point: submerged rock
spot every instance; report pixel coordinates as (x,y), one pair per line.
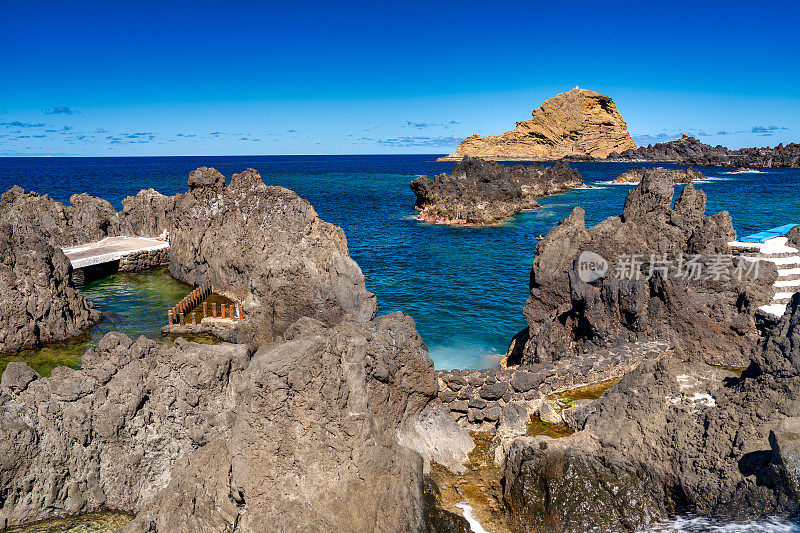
(658,271)
(635,175)
(479,192)
(577,123)
(301,435)
(671,438)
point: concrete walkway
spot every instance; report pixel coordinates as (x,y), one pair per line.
(110,249)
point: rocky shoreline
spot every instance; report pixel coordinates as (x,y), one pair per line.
(658,271)
(690,151)
(321,416)
(484,193)
(634,176)
(670,438)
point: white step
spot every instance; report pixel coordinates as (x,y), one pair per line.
(782,295)
(779,261)
(774,309)
(788,272)
(770,247)
(787,283)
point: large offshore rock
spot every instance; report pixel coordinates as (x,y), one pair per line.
(479,192)
(301,435)
(671,438)
(667,273)
(266,247)
(578,123)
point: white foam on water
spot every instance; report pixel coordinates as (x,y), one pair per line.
(618,184)
(746,172)
(474,525)
(697,524)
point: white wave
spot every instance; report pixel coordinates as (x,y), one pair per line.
(697,524)
(474,525)
(617,183)
(746,172)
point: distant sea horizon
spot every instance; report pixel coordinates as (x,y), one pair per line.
(464,287)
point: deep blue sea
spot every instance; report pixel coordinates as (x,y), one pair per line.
(465,287)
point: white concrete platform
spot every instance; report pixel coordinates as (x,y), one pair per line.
(774,309)
(777,261)
(787,283)
(772,246)
(788,267)
(110,249)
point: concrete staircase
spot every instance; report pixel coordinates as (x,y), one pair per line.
(786,258)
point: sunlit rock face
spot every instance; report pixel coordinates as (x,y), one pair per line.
(267,248)
(578,123)
(648,288)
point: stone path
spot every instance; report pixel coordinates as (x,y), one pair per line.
(477,399)
(110,249)
(786,258)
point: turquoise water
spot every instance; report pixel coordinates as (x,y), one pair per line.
(465,287)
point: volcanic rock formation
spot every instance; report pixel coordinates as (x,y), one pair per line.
(286,263)
(266,247)
(690,151)
(301,435)
(575,123)
(671,438)
(86,219)
(479,192)
(38,302)
(664,272)
(634,175)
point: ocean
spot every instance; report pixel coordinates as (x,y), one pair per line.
(464,287)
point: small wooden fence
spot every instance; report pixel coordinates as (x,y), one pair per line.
(196,298)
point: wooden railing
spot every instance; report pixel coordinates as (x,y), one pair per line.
(193,300)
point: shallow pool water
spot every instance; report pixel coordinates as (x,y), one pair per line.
(102,522)
(132,303)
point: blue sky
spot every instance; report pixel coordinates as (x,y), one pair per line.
(218,78)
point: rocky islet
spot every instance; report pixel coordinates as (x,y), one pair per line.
(634,176)
(485,193)
(577,123)
(688,150)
